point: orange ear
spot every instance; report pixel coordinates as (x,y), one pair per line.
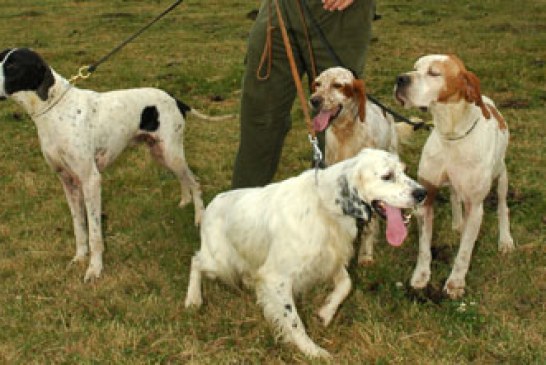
(360,93)
(472,92)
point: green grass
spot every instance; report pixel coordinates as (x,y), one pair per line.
(135,313)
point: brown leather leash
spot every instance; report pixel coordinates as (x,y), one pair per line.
(317,153)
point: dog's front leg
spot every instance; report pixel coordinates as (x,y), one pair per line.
(456,282)
(275,295)
(74,196)
(425,219)
(367,241)
(92,196)
(342,288)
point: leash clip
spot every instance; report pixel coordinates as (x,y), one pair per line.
(317,155)
(83,73)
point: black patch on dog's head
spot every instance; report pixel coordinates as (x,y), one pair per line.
(184,108)
(350,202)
(25,70)
(149,119)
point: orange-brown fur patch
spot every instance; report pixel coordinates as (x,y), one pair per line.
(498,117)
(460,83)
(357,90)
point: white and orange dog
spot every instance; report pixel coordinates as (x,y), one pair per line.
(352,123)
(81,132)
(465,150)
(284,238)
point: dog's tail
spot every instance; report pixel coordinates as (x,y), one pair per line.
(405,132)
(185,108)
(210,118)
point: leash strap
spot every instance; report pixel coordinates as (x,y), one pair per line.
(337,60)
(317,155)
(86,71)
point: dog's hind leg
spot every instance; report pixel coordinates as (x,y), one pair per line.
(275,296)
(74,196)
(506,243)
(171,155)
(425,220)
(342,288)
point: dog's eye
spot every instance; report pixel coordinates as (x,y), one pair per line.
(316,84)
(434,73)
(337,85)
(388,177)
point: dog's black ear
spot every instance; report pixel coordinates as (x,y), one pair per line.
(47,81)
(350,202)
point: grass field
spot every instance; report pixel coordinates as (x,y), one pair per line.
(135,313)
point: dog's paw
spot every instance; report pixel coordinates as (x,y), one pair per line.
(93,273)
(185,200)
(420,279)
(454,288)
(326,314)
(193,301)
(366,260)
(317,352)
(198,217)
(77,260)
(506,245)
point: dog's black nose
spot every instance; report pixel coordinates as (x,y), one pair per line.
(316,101)
(403,80)
(419,194)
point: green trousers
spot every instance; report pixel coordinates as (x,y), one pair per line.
(266,104)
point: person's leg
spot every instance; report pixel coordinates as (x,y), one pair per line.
(265,107)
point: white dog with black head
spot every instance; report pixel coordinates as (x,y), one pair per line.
(283,238)
(81,132)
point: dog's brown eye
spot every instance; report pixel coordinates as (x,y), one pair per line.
(316,84)
(433,73)
(337,85)
(388,177)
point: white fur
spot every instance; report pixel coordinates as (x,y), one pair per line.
(286,237)
(465,151)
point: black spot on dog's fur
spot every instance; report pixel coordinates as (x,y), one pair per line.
(25,70)
(149,119)
(184,108)
(350,202)
(288,307)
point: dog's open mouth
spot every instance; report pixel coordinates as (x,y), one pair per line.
(396,231)
(323,118)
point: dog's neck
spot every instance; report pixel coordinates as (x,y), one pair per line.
(454,119)
(37,107)
(343,125)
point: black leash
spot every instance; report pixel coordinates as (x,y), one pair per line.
(85,71)
(335,57)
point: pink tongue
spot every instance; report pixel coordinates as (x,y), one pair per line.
(396,229)
(320,122)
